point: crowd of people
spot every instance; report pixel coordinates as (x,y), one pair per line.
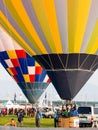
(20,115)
(13,111)
(67,110)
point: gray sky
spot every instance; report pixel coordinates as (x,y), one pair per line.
(8,88)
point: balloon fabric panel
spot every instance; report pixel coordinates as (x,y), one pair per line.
(4,55)
(23,64)
(30,62)
(15,62)
(20,53)
(13,71)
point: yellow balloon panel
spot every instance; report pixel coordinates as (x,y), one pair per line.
(12,54)
(37,25)
(78,11)
(26,77)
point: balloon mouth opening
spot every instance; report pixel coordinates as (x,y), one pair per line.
(33,90)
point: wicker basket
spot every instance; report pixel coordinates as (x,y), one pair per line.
(63,122)
(72,122)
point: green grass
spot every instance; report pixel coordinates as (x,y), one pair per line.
(28,122)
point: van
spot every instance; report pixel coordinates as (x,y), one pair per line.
(87,115)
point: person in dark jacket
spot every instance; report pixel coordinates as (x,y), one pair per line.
(20,116)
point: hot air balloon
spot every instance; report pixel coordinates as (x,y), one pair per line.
(28,74)
(62,35)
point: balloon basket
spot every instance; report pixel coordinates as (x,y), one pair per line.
(63,122)
(72,122)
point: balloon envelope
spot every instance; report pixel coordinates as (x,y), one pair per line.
(62,35)
(28,74)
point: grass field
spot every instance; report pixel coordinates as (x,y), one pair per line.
(28,122)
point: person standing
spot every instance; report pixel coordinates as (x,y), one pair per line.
(57,115)
(38,115)
(20,116)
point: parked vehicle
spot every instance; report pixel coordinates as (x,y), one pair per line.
(88,116)
(49,114)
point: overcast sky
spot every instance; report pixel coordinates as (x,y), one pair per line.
(8,88)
